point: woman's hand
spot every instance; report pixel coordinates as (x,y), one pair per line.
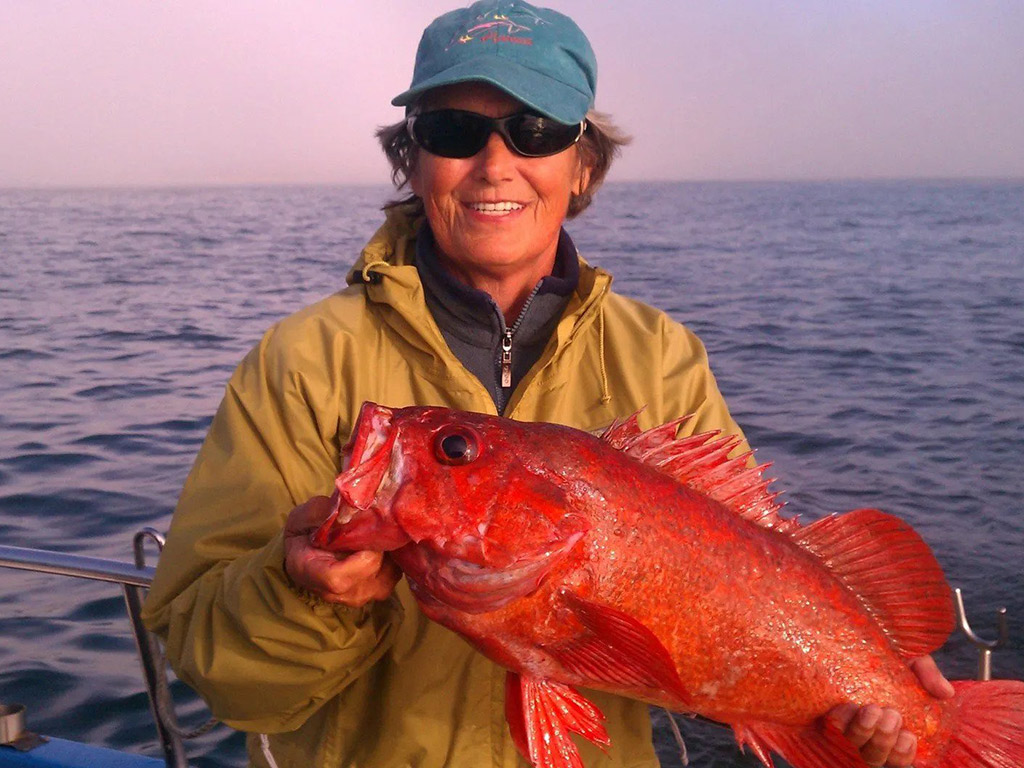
(876,731)
(347,578)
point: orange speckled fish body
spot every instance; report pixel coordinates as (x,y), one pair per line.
(658,569)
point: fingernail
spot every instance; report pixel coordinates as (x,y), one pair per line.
(844,711)
(889,722)
(905,743)
(868,717)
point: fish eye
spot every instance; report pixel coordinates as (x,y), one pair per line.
(456,445)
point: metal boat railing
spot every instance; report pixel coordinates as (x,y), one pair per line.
(134,579)
(985,647)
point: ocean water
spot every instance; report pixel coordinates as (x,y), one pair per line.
(869,338)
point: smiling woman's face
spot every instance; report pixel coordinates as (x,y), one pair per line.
(495,216)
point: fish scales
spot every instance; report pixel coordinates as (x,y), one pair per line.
(659,569)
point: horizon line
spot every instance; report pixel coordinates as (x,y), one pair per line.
(204,185)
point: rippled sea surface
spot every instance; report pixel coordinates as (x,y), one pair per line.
(868,336)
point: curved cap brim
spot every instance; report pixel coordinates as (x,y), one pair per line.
(544,94)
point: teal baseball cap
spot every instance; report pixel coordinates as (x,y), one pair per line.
(535,55)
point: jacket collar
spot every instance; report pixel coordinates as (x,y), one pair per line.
(386,268)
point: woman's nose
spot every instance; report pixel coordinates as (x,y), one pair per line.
(496,161)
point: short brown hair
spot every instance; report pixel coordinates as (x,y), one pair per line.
(600,144)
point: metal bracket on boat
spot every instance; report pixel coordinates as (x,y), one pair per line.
(12,729)
(154,666)
(139,544)
(152,659)
(985,647)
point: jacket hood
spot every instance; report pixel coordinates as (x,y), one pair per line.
(393,243)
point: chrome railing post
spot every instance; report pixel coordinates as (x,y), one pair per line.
(151,659)
(985,647)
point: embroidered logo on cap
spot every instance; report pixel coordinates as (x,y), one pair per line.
(493,27)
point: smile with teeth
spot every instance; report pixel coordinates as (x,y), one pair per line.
(496,209)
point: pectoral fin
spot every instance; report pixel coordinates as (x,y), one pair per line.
(541,715)
(618,650)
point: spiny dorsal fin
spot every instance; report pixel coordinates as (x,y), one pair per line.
(702,462)
(877,556)
(621,430)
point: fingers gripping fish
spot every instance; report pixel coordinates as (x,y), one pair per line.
(660,569)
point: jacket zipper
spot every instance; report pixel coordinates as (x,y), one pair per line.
(506,359)
(506,340)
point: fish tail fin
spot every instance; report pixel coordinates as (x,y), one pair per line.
(987,727)
(983,728)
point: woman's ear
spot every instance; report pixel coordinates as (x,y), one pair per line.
(581,182)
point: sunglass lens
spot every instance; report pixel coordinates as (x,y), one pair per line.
(536,136)
(451,133)
(459,134)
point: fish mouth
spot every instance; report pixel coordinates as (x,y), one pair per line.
(367,458)
(475,588)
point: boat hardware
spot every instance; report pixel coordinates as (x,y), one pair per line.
(151,654)
(134,580)
(12,729)
(985,647)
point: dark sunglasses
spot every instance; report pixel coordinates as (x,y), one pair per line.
(458,134)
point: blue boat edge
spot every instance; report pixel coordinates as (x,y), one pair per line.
(61,753)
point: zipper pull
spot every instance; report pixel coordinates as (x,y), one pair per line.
(506,359)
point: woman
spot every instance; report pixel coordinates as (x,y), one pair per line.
(471,296)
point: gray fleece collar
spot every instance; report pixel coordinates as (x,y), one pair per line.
(474,317)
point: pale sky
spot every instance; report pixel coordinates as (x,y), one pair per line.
(183,92)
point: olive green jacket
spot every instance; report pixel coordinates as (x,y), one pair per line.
(381,686)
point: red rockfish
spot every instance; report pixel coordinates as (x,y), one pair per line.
(660,569)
